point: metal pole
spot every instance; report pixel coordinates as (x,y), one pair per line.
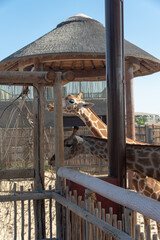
(115,89)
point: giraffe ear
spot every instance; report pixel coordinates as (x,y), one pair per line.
(79,95)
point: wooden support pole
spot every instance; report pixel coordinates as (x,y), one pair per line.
(130,100)
(115,89)
(39,157)
(59,147)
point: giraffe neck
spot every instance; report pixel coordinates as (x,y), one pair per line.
(93,122)
(96,125)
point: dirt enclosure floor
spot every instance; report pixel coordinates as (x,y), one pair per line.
(7,211)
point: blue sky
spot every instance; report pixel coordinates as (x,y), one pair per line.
(22,22)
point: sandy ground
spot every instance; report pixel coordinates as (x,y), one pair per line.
(7,211)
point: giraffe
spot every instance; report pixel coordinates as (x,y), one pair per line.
(77,106)
(144,159)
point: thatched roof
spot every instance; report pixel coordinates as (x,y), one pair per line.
(77,38)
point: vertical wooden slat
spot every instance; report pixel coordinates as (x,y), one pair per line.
(29,218)
(76,217)
(148,232)
(83,224)
(73,220)
(87,224)
(22,216)
(79,220)
(15,215)
(99,215)
(70,224)
(103,218)
(93,226)
(119,225)
(96,236)
(137,232)
(141,236)
(50,213)
(154,237)
(67,217)
(115,220)
(108,220)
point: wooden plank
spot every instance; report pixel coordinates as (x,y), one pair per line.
(17,173)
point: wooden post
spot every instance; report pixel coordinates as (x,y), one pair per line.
(130,109)
(39,157)
(130,100)
(59,148)
(115,89)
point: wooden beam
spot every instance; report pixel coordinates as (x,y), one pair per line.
(17,173)
(22,78)
(48,78)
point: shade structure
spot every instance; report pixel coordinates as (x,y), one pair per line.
(77,44)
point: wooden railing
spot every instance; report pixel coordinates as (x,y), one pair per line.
(83,217)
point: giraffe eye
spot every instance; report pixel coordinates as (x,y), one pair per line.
(71,101)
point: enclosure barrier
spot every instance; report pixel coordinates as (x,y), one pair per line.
(105,227)
(82,219)
(139,203)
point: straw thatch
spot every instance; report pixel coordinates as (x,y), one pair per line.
(81,40)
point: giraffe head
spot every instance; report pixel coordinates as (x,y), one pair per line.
(72,104)
(73,146)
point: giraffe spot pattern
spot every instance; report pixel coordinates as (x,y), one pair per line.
(149,172)
(144,161)
(155,157)
(139,168)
